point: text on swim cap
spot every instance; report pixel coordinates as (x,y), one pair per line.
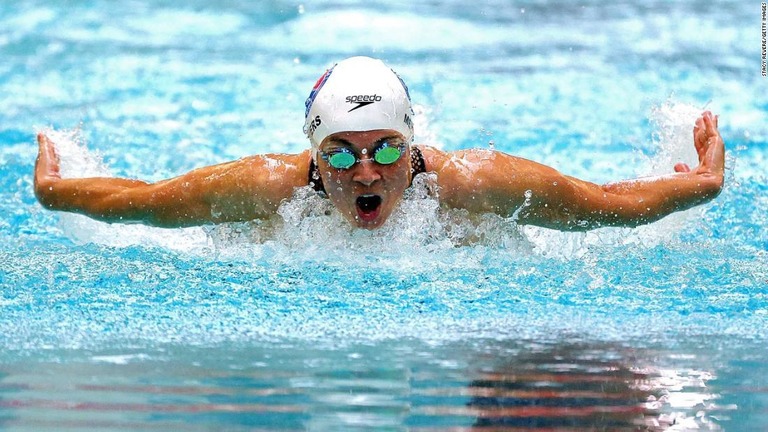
(313,124)
(408,122)
(362,100)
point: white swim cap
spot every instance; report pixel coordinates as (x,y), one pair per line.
(357,94)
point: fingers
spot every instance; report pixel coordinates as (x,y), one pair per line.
(711,134)
(709,144)
(708,122)
(44,144)
(682,167)
(47,164)
(704,131)
(699,134)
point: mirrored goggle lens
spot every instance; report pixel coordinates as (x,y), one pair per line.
(387,155)
(341,160)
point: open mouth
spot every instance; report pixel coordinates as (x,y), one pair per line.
(368,206)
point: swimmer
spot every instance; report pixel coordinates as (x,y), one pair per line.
(358,120)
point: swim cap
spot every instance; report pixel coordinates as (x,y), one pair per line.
(357,94)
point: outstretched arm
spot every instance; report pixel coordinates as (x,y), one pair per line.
(687,187)
(246,189)
(484,181)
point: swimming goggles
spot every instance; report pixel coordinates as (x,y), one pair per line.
(385,154)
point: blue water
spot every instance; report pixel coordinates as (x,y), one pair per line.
(434,322)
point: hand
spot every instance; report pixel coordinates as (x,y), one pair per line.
(46,167)
(709,146)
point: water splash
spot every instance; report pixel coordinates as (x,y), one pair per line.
(673,137)
(76,160)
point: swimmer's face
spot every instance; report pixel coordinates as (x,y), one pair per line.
(367,192)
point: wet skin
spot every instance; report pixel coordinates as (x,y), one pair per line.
(366,193)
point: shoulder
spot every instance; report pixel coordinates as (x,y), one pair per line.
(288,161)
(468,163)
(249,187)
(273,175)
(479,163)
(485,179)
(434,158)
(289,168)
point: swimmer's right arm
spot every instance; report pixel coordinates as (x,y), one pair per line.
(246,189)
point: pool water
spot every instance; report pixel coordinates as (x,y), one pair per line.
(436,321)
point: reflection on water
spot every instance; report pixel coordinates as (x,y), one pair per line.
(497,385)
(574,386)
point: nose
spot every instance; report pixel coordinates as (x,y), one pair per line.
(366,173)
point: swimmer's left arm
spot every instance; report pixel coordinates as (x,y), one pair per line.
(641,201)
(582,205)
(486,181)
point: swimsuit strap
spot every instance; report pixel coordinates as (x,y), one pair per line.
(314,178)
(418,166)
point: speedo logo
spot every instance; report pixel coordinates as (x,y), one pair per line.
(362,100)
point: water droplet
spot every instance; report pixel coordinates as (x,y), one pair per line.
(301,9)
(364,151)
